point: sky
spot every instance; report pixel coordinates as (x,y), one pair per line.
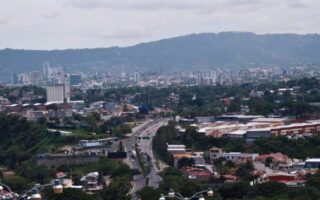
(62,24)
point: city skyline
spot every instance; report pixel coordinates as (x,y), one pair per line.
(66,24)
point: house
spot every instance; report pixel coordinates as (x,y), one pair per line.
(293,180)
(196,156)
(277,160)
(176,148)
(92,143)
(91,182)
(197,173)
(216,153)
(312,163)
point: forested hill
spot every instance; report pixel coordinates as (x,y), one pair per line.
(191,52)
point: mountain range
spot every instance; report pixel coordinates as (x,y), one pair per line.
(184,53)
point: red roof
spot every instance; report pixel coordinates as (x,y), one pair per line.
(275,156)
(197,172)
(60,175)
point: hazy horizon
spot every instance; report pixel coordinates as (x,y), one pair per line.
(155,40)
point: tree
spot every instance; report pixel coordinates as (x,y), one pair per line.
(149,193)
(118,189)
(313,180)
(268,161)
(17,183)
(244,171)
(269,189)
(236,190)
(121,148)
(92,124)
(185,162)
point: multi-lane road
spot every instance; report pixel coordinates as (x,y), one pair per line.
(146,148)
(146,132)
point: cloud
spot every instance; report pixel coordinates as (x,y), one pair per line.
(91,23)
(160,4)
(125,33)
(52,15)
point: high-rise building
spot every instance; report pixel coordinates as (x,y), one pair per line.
(66,82)
(137,77)
(55,93)
(59,92)
(46,69)
(206,77)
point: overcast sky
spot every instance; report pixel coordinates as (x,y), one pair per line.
(60,24)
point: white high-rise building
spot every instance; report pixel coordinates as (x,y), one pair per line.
(137,77)
(55,93)
(66,83)
(59,92)
(207,77)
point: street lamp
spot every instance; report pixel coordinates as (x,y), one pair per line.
(198,195)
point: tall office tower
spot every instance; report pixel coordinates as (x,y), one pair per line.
(207,77)
(59,92)
(46,70)
(137,77)
(59,70)
(123,76)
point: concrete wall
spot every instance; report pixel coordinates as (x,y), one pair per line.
(58,160)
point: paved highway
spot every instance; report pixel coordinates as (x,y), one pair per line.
(146,148)
(147,129)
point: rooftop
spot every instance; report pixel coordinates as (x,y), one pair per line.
(313,160)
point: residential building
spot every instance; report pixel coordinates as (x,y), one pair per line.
(206,77)
(312,163)
(91,182)
(196,156)
(216,153)
(174,149)
(197,173)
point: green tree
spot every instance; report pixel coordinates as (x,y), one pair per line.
(244,171)
(68,194)
(118,189)
(185,162)
(149,193)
